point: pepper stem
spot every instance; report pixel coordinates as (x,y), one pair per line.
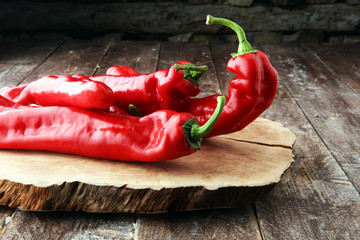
(133,108)
(192,72)
(244,45)
(194,133)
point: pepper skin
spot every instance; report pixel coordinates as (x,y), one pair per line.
(164,89)
(121,71)
(249,94)
(162,135)
(62,90)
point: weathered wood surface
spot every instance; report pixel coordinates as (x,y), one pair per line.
(317,99)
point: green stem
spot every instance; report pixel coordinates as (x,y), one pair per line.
(133,108)
(191,67)
(244,45)
(194,133)
(192,72)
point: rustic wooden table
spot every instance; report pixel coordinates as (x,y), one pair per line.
(318,99)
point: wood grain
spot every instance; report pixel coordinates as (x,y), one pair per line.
(238,223)
(69,225)
(315,196)
(342,59)
(5,215)
(142,56)
(221,54)
(17,61)
(224,173)
(73,57)
(300,204)
(329,104)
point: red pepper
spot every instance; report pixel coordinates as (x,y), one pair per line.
(164,89)
(121,71)
(162,135)
(250,93)
(62,90)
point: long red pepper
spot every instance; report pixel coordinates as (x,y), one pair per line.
(162,135)
(62,90)
(164,89)
(250,93)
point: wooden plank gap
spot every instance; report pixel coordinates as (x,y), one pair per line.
(216,71)
(332,71)
(6,221)
(258,220)
(45,58)
(106,51)
(159,54)
(136,228)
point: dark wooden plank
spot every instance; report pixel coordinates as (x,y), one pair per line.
(73,57)
(315,196)
(19,59)
(68,225)
(238,223)
(26,51)
(343,59)
(5,215)
(329,104)
(196,53)
(141,56)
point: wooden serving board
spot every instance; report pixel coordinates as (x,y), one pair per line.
(229,171)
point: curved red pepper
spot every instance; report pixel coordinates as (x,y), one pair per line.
(62,90)
(250,93)
(164,89)
(162,135)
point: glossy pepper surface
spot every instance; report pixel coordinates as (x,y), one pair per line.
(62,90)
(164,89)
(250,93)
(162,135)
(121,71)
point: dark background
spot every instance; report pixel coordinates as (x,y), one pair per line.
(182,21)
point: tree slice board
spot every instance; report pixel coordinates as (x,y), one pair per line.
(229,171)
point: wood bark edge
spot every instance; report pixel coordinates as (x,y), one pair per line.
(76,196)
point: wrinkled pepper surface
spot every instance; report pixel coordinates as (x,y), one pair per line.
(250,93)
(159,136)
(164,89)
